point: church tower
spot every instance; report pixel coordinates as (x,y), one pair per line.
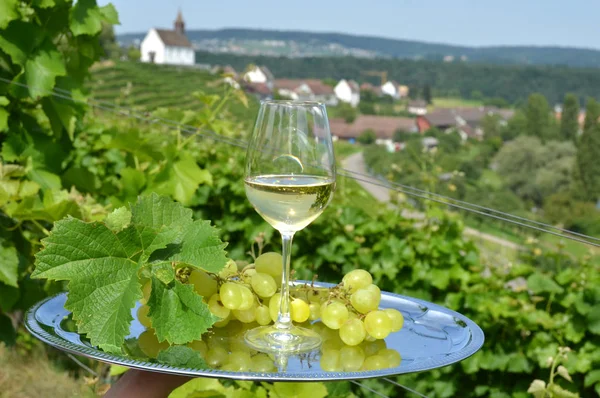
(179,24)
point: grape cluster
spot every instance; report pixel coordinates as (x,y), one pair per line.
(250,295)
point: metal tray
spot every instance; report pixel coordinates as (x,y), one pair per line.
(432,337)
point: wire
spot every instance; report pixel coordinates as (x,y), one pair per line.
(406,388)
(394,186)
(369,389)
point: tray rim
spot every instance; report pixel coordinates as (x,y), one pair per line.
(477,341)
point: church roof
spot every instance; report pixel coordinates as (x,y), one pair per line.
(173,39)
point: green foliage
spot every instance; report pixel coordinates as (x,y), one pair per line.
(587,161)
(592,113)
(347,112)
(427,94)
(569,120)
(367,137)
(533,170)
(540,121)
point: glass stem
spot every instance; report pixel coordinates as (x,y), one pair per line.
(284,320)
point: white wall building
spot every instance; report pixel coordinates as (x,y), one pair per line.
(259,74)
(390,88)
(348,91)
(162,46)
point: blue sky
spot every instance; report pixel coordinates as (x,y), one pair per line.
(471,22)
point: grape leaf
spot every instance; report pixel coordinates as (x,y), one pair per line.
(182,356)
(200,248)
(9,262)
(8,334)
(592,378)
(101,262)
(178,313)
(103,279)
(40,71)
(8,12)
(3,119)
(85,18)
(110,14)
(300,390)
(539,283)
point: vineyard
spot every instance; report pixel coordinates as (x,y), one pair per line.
(129,184)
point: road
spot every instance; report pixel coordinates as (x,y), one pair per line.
(355,163)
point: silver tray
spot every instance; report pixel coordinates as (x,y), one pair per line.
(432,337)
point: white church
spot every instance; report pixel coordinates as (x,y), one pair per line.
(161,46)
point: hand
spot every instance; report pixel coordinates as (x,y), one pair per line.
(141,384)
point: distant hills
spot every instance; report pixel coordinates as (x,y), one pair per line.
(310,44)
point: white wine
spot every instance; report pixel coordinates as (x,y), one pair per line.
(289,202)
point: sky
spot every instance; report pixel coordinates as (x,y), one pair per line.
(573,23)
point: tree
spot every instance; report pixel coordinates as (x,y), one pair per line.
(133,53)
(515,127)
(592,113)
(367,137)
(587,160)
(569,119)
(367,108)
(539,123)
(491,126)
(347,112)
(107,41)
(404,136)
(427,94)
(330,82)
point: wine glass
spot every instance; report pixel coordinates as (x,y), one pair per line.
(289,179)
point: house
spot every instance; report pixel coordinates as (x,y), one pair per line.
(467,121)
(384,127)
(306,90)
(259,90)
(390,88)
(369,87)
(348,91)
(403,91)
(259,74)
(417,107)
(161,46)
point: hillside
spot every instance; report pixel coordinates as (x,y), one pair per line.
(514,83)
(149,87)
(298,43)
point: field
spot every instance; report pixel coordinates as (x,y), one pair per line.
(148,87)
(443,102)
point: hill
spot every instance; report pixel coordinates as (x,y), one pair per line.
(299,44)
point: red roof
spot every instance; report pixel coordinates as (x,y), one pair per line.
(384,126)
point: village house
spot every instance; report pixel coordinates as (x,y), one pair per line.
(259,74)
(161,46)
(390,88)
(348,91)
(417,107)
(384,127)
(466,121)
(306,90)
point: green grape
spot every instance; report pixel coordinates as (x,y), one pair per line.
(378,324)
(146,289)
(357,279)
(230,269)
(364,301)
(351,358)
(375,362)
(200,346)
(334,315)
(392,357)
(231,295)
(248,300)
(352,315)
(223,322)
(241,360)
(245,316)
(248,274)
(262,363)
(204,284)
(142,315)
(236,344)
(262,315)
(217,308)
(270,263)
(299,310)
(330,360)
(353,332)
(264,285)
(315,311)
(373,347)
(396,317)
(274,304)
(373,288)
(216,356)
(149,344)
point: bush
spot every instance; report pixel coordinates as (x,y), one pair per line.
(367,137)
